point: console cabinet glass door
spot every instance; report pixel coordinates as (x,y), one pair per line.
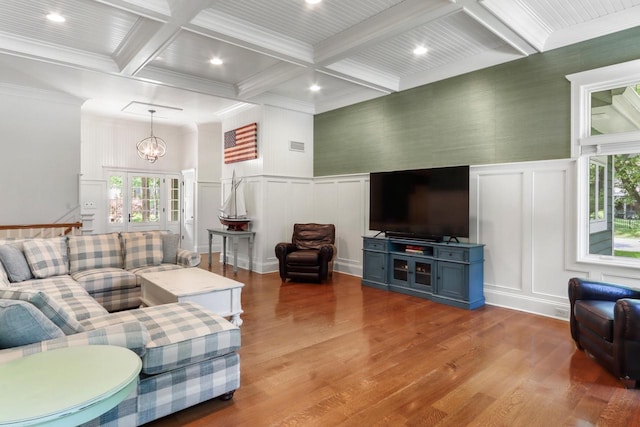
(423,275)
(412,273)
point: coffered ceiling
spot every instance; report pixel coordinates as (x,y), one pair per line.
(114,52)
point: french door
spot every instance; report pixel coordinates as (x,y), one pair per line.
(140,201)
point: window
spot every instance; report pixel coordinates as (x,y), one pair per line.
(174,199)
(597,193)
(115,199)
(143,201)
(606,145)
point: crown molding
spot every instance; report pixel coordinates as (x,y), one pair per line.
(363,75)
(39,94)
(28,48)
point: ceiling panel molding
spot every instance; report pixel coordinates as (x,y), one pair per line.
(474,63)
(235,31)
(178,80)
(363,75)
(518,16)
(265,80)
(619,21)
(35,49)
(403,17)
(483,16)
(274,50)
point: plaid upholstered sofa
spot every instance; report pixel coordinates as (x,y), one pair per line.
(85,295)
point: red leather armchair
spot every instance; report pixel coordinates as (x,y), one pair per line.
(605,322)
(310,255)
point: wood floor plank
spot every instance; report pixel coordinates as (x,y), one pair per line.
(339,354)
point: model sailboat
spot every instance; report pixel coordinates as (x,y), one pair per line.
(233,212)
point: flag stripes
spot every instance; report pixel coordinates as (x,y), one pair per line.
(241,144)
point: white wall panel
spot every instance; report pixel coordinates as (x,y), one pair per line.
(500,217)
(39,155)
(279,128)
(350,222)
(207,215)
(548,233)
(111,142)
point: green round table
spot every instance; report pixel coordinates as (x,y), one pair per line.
(66,386)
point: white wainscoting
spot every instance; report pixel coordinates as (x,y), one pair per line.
(520,212)
(209,196)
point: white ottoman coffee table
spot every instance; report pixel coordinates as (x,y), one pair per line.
(212,291)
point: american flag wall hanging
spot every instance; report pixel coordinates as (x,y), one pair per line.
(241,144)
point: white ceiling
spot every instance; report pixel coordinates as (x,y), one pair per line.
(115,52)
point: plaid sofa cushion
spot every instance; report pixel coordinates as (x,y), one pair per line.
(132,335)
(94,251)
(142,250)
(48,306)
(118,299)
(45,257)
(187,258)
(153,269)
(181,334)
(72,297)
(104,279)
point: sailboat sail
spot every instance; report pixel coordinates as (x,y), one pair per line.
(234,206)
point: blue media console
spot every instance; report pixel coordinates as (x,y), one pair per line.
(448,273)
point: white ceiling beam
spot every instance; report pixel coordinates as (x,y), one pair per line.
(482,15)
(516,16)
(27,48)
(393,21)
(240,33)
(362,75)
(147,39)
(267,79)
(183,81)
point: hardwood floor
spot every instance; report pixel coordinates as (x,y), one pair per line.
(342,354)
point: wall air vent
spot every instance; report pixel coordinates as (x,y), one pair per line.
(296,146)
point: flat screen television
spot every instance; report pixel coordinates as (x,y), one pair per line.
(422,203)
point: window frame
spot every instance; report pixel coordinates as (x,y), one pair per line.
(584,145)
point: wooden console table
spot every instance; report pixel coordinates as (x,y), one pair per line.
(235,237)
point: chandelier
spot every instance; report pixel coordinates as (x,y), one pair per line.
(152,147)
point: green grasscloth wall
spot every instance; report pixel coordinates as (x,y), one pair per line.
(518,111)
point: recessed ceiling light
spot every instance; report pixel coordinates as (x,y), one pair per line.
(420,50)
(216,61)
(314,88)
(55,17)
(312,1)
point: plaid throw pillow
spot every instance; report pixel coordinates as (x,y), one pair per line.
(94,251)
(49,307)
(142,250)
(44,258)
